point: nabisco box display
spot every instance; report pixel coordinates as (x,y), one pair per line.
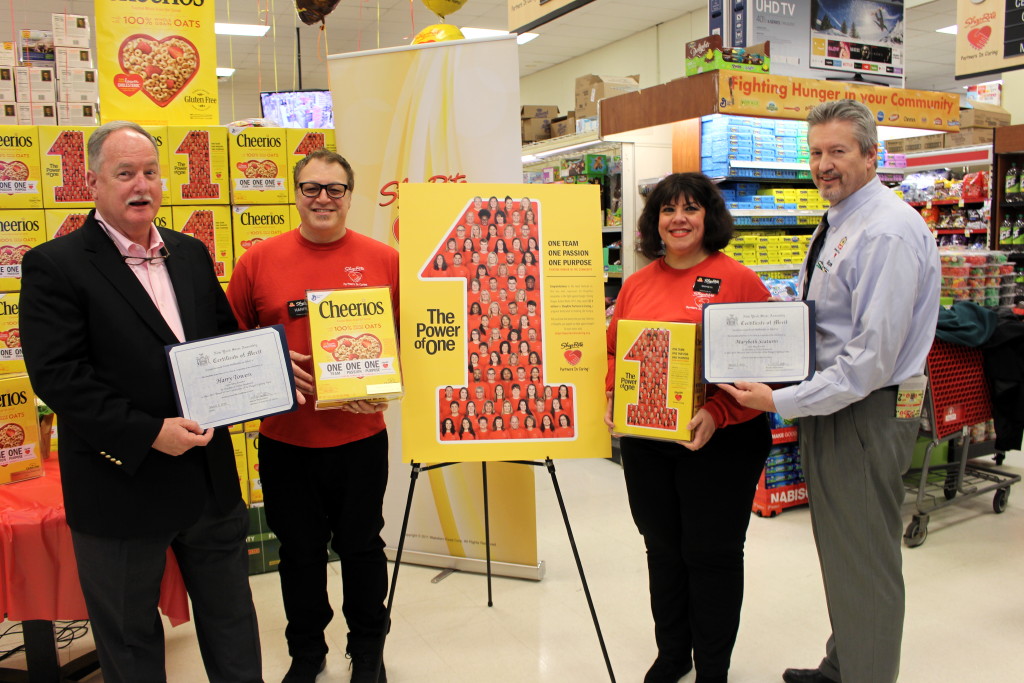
(253,224)
(211,225)
(159,134)
(20,175)
(198,158)
(19,431)
(300,142)
(657,378)
(11,357)
(355,349)
(63,161)
(252,459)
(259,161)
(20,230)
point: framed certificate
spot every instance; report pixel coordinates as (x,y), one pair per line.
(769,341)
(234,377)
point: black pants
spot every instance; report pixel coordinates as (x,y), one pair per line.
(692,509)
(318,495)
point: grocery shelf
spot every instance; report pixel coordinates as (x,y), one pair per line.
(777,212)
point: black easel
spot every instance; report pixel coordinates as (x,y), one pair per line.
(550,465)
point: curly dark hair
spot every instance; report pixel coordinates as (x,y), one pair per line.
(695,187)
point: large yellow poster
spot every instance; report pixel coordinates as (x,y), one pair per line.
(502,325)
(158,64)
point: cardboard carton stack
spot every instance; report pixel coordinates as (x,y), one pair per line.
(591,89)
(536,121)
(977,125)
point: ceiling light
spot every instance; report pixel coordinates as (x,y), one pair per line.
(258,30)
(224,72)
(951,30)
(471,32)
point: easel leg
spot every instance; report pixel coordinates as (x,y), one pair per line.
(487,535)
(579,565)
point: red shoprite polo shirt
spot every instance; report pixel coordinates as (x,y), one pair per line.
(281,269)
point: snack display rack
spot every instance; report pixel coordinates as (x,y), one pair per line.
(957,399)
(781,485)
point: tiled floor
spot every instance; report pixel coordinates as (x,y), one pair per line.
(965,602)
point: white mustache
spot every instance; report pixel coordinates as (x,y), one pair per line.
(140,198)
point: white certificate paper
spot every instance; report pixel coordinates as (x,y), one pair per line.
(770,341)
(233,378)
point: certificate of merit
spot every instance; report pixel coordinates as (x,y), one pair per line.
(767,341)
(233,378)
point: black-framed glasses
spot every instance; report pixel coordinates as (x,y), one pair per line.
(139,260)
(312,190)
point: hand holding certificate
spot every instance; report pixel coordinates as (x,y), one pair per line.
(233,378)
(766,342)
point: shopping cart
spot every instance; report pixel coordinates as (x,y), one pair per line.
(957,399)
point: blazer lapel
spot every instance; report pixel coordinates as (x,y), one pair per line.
(183,282)
(108,262)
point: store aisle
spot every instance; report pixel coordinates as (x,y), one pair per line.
(965,615)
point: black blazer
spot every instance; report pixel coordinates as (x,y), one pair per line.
(94,347)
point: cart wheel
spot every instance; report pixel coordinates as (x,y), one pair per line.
(949,488)
(999,500)
(915,534)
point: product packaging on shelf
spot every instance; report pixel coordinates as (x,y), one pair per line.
(259,165)
(11,357)
(21,230)
(198,160)
(159,134)
(37,113)
(253,224)
(20,174)
(77,85)
(211,225)
(591,89)
(77,114)
(7,90)
(63,160)
(20,454)
(300,142)
(709,54)
(70,30)
(241,462)
(35,84)
(657,378)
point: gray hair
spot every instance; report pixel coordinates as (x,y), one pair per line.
(864,128)
(100,135)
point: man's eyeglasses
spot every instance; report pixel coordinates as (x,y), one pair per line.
(139,260)
(312,190)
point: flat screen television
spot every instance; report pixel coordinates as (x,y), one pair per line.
(298,108)
(858,36)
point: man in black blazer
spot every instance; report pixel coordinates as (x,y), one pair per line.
(97,308)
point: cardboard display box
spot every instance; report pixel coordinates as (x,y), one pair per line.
(259,165)
(563,125)
(253,224)
(538,111)
(923,143)
(35,84)
(78,114)
(12,358)
(534,130)
(20,230)
(300,142)
(198,157)
(20,456)
(211,225)
(657,378)
(7,89)
(970,136)
(591,89)
(63,162)
(159,134)
(77,85)
(20,174)
(37,113)
(708,54)
(70,30)
(984,115)
(355,348)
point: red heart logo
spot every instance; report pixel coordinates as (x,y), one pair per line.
(573,356)
(163,66)
(242,166)
(246,244)
(979,37)
(128,84)
(679,397)
(329,345)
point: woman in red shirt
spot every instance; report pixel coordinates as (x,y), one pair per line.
(530,427)
(564,428)
(448,430)
(466,432)
(695,559)
(498,429)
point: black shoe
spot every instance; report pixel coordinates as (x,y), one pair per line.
(668,670)
(304,669)
(805,676)
(364,666)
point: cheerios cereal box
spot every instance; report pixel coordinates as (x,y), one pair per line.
(159,134)
(252,460)
(241,463)
(300,142)
(198,161)
(11,357)
(355,349)
(19,430)
(62,156)
(259,165)
(19,232)
(211,225)
(657,378)
(60,222)
(20,175)
(253,224)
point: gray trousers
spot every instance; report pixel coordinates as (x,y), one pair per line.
(853,462)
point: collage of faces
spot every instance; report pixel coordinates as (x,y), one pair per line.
(651,349)
(494,246)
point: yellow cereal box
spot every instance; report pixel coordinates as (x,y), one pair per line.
(259,165)
(241,463)
(62,156)
(19,430)
(11,357)
(355,350)
(164,218)
(60,222)
(252,457)
(198,161)
(302,141)
(211,225)
(19,232)
(20,175)
(657,378)
(253,224)
(159,134)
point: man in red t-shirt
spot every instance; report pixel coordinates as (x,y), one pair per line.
(323,472)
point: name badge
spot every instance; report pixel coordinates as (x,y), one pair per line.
(707,285)
(298,308)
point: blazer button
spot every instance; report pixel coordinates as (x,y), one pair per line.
(118,462)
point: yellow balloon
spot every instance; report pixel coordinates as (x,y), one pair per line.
(437,33)
(443,8)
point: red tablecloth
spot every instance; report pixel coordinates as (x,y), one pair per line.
(38,574)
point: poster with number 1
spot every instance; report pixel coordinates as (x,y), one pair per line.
(502,323)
